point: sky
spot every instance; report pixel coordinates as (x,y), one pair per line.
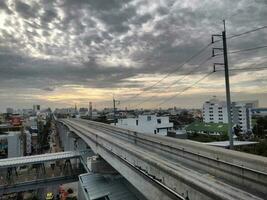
(59,53)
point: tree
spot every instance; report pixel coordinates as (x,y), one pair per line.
(260,129)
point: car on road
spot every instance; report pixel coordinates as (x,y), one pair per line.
(49,196)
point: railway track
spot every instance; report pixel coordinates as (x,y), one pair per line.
(172,154)
(235,174)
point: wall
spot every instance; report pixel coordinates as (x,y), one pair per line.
(14,145)
(146,124)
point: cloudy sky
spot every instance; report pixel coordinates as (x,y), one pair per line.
(61,52)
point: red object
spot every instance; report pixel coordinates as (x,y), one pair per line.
(15,120)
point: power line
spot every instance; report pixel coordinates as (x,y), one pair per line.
(252,67)
(249,49)
(175,70)
(244,50)
(243,33)
(198,53)
(175,82)
(247,32)
(185,89)
(192,57)
(248,69)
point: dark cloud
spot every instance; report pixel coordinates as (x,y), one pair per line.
(48,45)
(25,10)
(106,5)
(49,89)
(3,6)
(48,16)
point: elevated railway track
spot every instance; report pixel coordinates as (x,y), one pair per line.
(187,170)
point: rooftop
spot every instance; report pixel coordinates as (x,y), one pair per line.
(96,186)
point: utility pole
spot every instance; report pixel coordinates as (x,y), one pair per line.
(227,84)
(90,110)
(114,109)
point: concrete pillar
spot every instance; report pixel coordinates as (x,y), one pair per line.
(81,145)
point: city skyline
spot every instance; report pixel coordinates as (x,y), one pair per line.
(58,53)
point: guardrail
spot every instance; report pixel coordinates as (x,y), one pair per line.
(243,175)
(173,153)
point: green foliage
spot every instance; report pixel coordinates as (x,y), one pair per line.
(207,127)
(35,198)
(102,119)
(43,134)
(182,119)
(259,149)
(260,128)
(207,138)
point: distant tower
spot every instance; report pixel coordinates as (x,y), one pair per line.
(90,110)
(75,108)
(36,108)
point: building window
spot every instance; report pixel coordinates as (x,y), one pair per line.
(136,122)
(155,132)
(148,118)
(159,121)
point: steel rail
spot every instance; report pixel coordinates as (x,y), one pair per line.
(134,167)
(180,149)
(207,190)
(216,163)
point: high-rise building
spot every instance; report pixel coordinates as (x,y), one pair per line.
(215,111)
(11,144)
(9,110)
(90,109)
(36,108)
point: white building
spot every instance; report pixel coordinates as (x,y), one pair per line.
(215,111)
(83,112)
(66,111)
(36,108)
(28,142)
(259,111)
(146,124)
(13,142)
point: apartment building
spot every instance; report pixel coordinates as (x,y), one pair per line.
(146,124)
(215,111)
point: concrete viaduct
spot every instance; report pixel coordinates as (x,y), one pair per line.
(166,168)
